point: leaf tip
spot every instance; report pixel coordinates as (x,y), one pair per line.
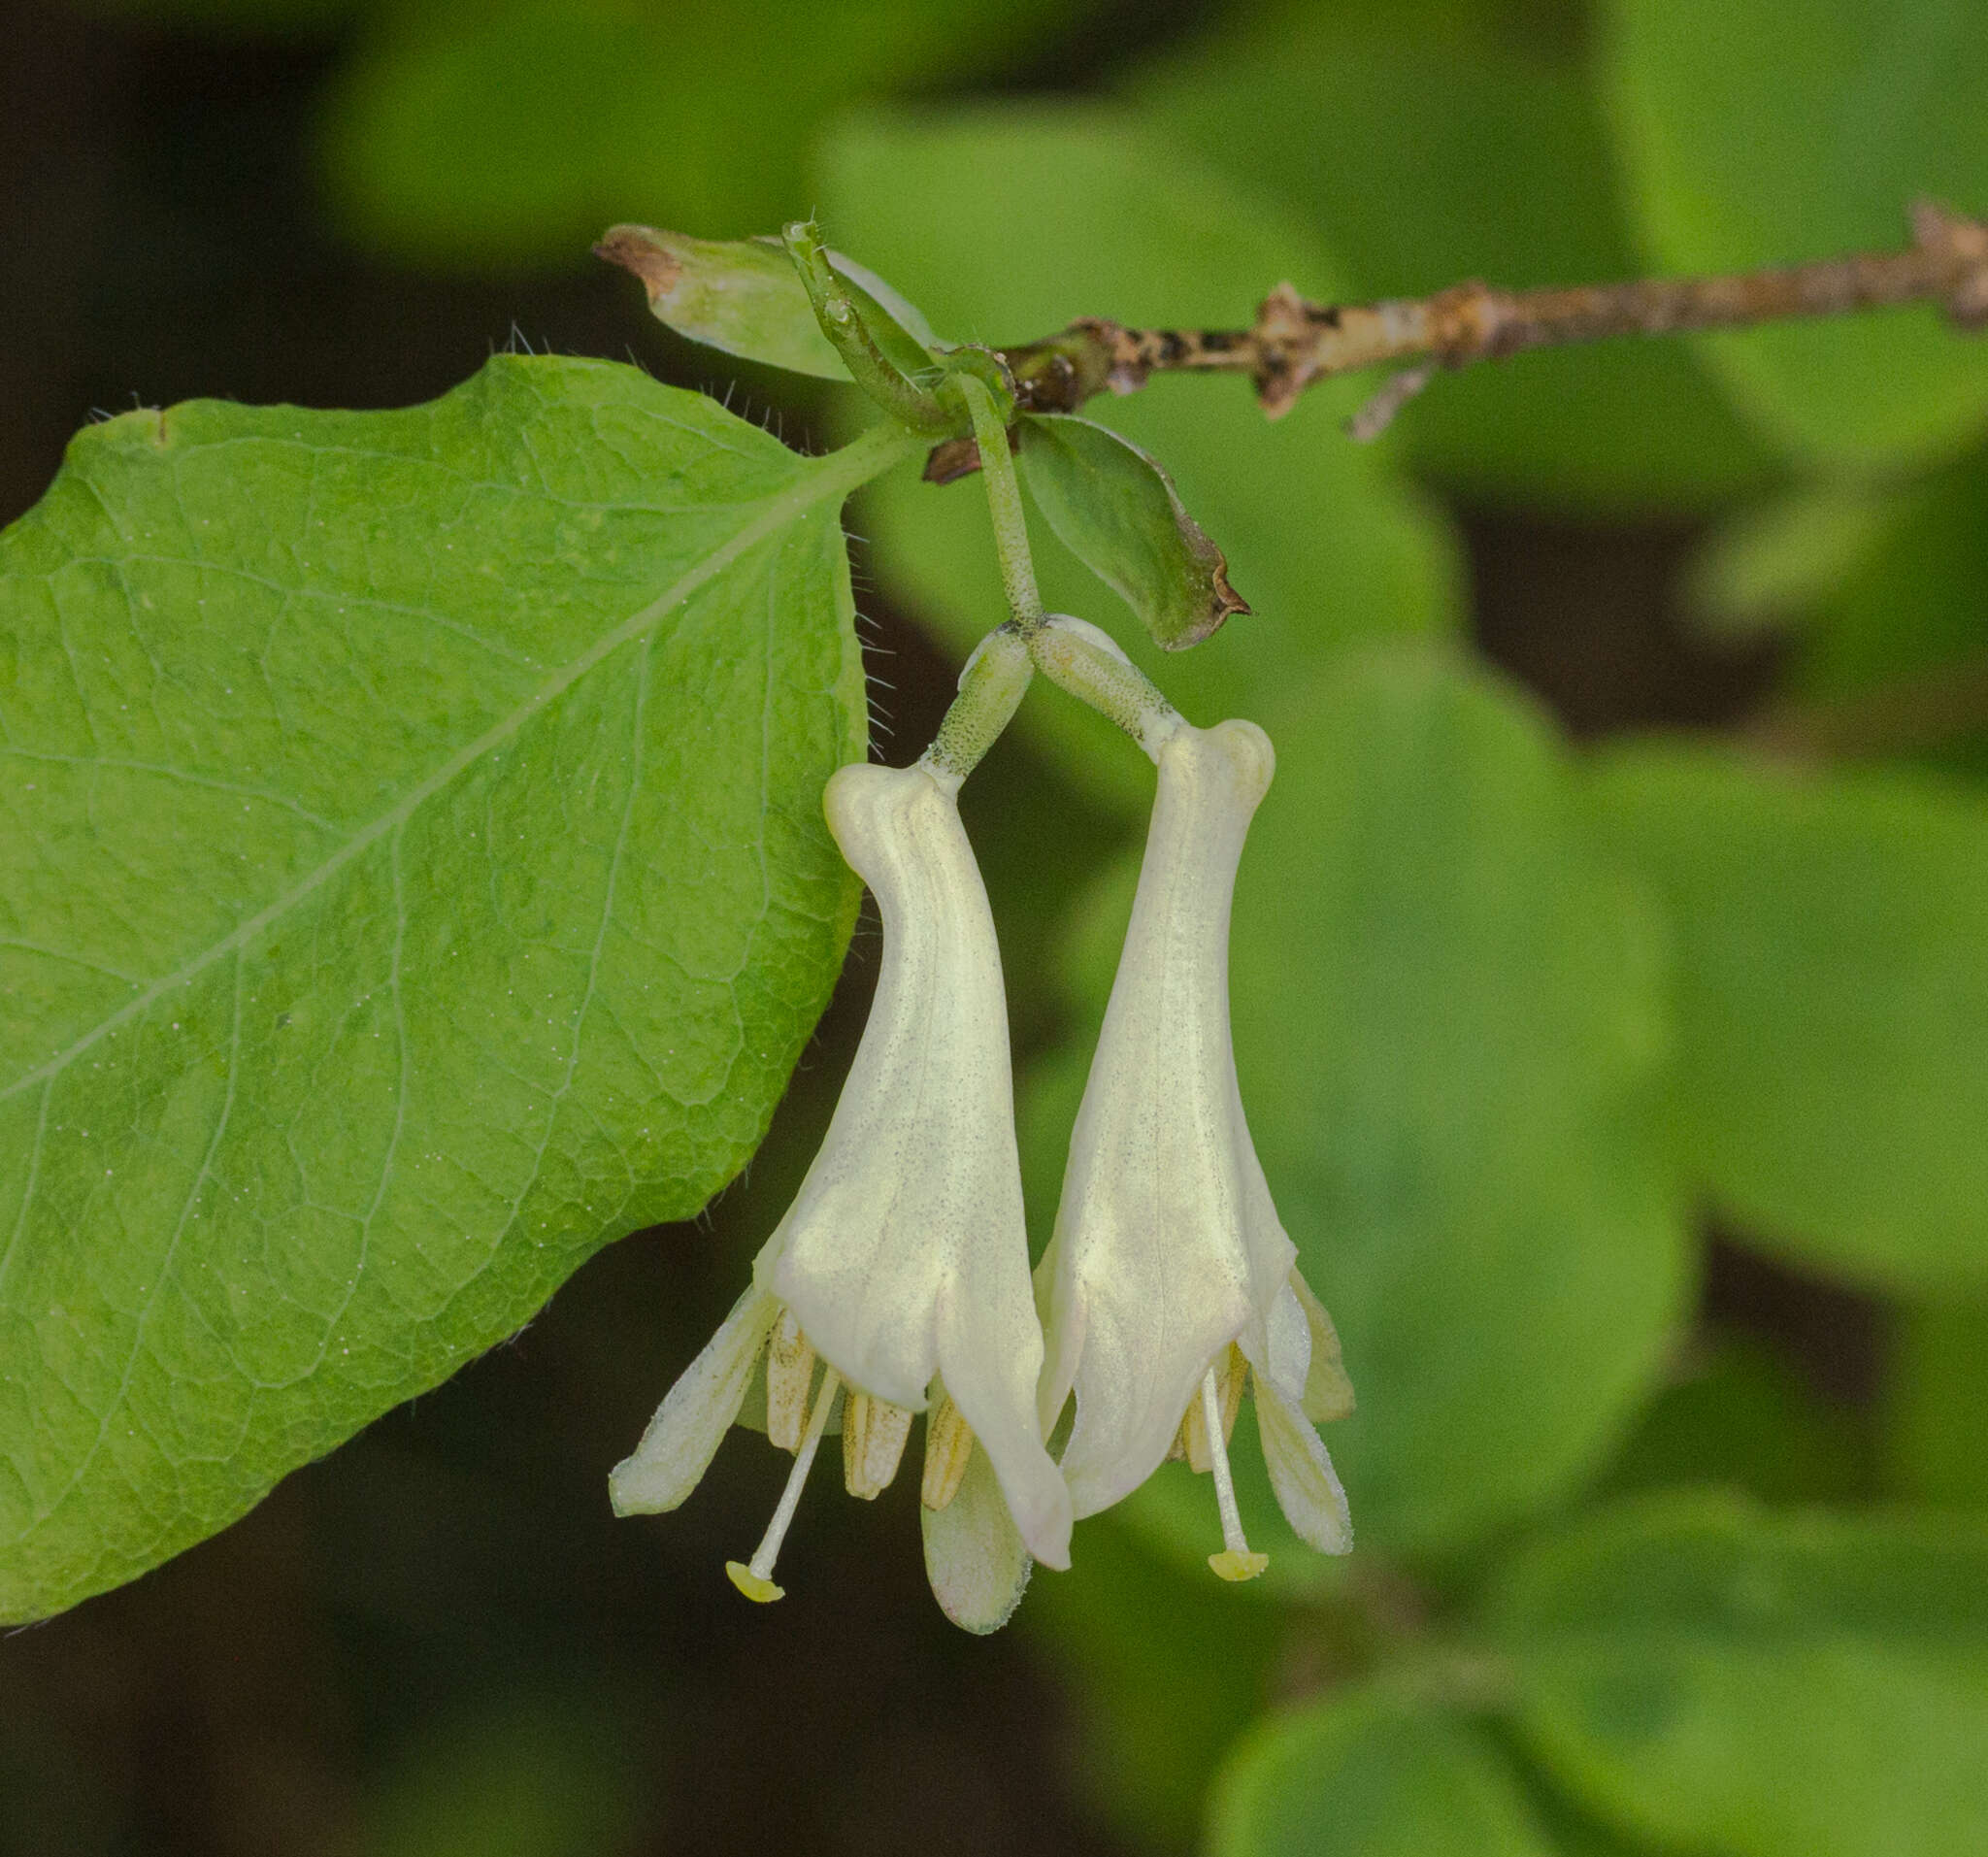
(1225,604)
(641,250)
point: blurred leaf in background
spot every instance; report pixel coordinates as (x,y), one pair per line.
(533,1774)
(1736,1413)
(1882,592)
(1832,961)
(1365,1775)
(1714,1678)
(1158,1706)
(508,132)
(1758,132)
(1426,152)
(1936,1406)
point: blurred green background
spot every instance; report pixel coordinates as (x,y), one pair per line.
(1611,963)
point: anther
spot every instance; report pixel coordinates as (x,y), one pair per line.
(1231,1370)
(755,1579)
(1235,1561)
(874,1433)
(949,1445)
(789,1373)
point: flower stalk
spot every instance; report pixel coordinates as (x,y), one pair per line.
(1004,505)
(991,686)
(1087,661)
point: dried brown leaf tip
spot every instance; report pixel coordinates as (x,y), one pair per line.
(1220,601)
(636,248)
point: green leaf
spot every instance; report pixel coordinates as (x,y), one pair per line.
(1360,1774)
(1425,154)
(1448,1022)
(1774,564)
(1330,545)
(511,131)
(1916,601)
(1937,1392)
(744,297)
(1832,933)
(1761,132)
(419,880)
(1799,1686)
(1118,513)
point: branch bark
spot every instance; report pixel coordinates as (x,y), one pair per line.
(1293,343)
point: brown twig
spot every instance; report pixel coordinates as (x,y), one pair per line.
(1293,343)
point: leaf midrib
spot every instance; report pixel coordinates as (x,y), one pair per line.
(833,476)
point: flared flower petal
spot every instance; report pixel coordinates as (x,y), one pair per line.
(1308,1488)
(975,1556)
(1168,1248)
(684,1434)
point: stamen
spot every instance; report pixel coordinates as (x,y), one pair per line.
(755,1581)
(789,1373)
(1194,1432)
(1235,1561)
(874,1433)
(949,1445)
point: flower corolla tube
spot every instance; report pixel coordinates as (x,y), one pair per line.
(898,1282)
(1170,1282)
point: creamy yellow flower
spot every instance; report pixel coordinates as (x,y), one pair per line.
(1170,1280)
(902,1265)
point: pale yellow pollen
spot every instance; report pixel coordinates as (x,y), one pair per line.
(1231,1370)
(789,1374)
(949,1445)
(874,1433)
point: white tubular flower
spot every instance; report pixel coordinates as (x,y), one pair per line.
(1170,1280)
(902,1263)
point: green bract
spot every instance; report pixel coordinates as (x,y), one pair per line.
(1116,510)
(744,297)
